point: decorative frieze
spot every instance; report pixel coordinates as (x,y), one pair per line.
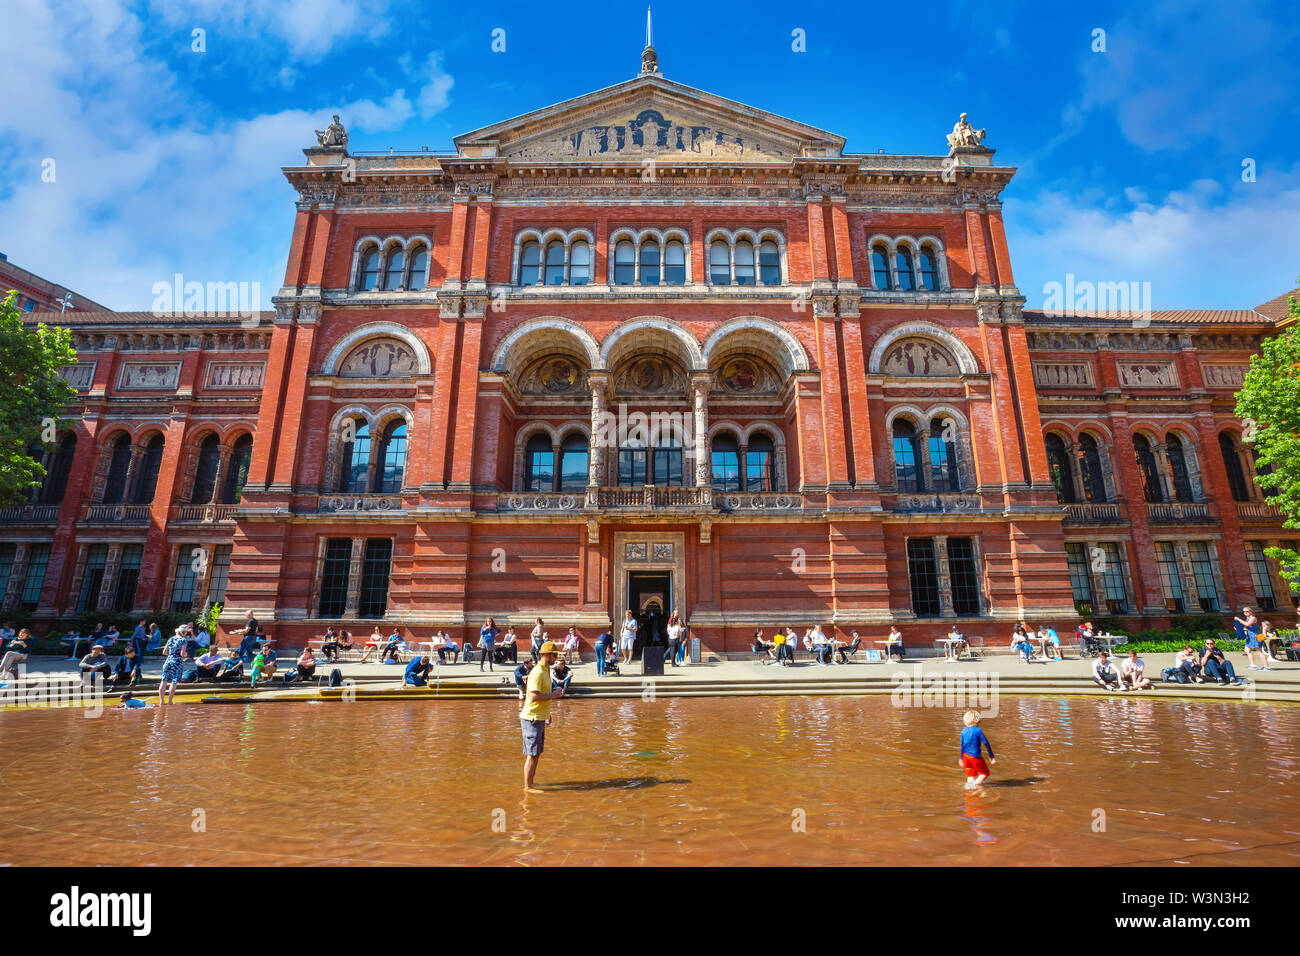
(235,374)
(80,376)
(1063,374)
(149,375)
(1216,375)
(1147,374)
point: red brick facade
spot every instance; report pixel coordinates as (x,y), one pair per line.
(834,371)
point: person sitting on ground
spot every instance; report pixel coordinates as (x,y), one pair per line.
(373,643)
(210,665)
(95,663)
(1215,666)
(1103,674)
(269,665)
(417,672)
(1131,672)
(127,670)
(1188,663)
(561,675)
(329,646)
(131,702)
(1048,639)
(306,664)
(15,654)
(507,650)
(391,647)
(1020,643)
(956,644)
(521,677)
(572,641)
(234,669)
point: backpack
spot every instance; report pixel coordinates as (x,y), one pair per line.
(336,677)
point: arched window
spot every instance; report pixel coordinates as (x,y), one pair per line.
(354,475)
(903,266)
(1058,466)
(530,263)
(769,263)
(118,466)
(744,263)
(539,464)
(419,268)
(675,263)
(573,464)
(907,456)
(760,464)
(393,274)
(392,458)
(147,478)
(1178,468)
(237,471)
(726,463)
(624,263)
(368,278)
(929,270)
(580,264)
(205,474)
(943,455)
(650,263)
(555,263)
(719,263)
(880,267)
(1232,464)
(56,477)
(1146,461)
(1094,485)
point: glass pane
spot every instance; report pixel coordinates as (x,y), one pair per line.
(624,264)
(719,264)
(879,268)
(929,273)
(530,262)
(675,264)
(923,575)
(393,276)
(903,265)
(744,264)
(580,264)
(769,263)
(650,263)
(555,264)
(370,271)
(419,269)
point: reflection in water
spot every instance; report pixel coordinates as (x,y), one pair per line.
(305,783)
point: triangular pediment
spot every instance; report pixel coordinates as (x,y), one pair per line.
(649,117)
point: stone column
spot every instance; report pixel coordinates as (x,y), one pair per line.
(945,576)
(132,471)
(700,390)
(598,382)
(354,579)
(1098,581)
(1076,470)
(201,579)
(17,574)
(925,473)
(223,468)
(1183,556)
(112,565)
(1161,453)
(556,461)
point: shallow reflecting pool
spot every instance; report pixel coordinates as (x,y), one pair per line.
(672,782)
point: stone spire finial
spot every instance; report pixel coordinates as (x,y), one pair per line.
(649,59)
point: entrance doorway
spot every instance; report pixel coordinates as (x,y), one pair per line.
(650,596)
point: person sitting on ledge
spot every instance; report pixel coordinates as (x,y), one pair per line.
(1103,674)
(1217,667)
(306,664)
(508,648)
(15,654)
(1131,672)
(329,647)
(561,675)
(127,670)
(417,672)
(1188,663)
(210,665)
(391,647)
(95,663)
(956,644)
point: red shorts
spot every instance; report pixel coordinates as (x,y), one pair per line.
(974,766)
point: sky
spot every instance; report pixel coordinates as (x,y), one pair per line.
(1161,149)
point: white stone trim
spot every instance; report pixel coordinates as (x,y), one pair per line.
(794,358)
(690,345)
(585,341)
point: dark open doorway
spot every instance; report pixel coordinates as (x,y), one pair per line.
(650,596)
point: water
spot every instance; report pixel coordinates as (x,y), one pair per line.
(748,781)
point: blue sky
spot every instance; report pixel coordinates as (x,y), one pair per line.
(1130,160)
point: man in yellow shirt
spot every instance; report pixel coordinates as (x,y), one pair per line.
(536,712)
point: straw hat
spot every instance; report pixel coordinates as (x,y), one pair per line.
(548,648)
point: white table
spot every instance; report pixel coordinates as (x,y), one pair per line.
(948,642)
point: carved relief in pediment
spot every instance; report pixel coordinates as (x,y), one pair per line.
(648,133)
(379,358)
(553,375)
(919,356)
(650,376)
(745,375)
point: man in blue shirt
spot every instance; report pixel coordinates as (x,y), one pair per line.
(417,672)
(139,638)
(127,670)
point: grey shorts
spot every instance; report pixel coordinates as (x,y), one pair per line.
(534,736)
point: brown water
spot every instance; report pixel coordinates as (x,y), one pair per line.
(673,782)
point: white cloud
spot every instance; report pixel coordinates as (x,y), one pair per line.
(308,28)
(433,97)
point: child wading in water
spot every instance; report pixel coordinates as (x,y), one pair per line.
(972,738)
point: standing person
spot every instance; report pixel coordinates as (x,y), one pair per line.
(1248,626)
(487,638)
(173,668)
(140,638)
(536,637)
(972,761)
(16,654)
(627,635)
(536,712)
(602,643)
(674,638)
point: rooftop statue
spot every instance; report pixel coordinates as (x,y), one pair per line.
(335,136)
(965,135)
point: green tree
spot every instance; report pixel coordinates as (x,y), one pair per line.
(1269,407)
(32,396)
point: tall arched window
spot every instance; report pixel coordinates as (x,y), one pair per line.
(726,463)
(555,263)
(539,464)
(580,264)
(943,456)
(573,463)
(744,263)
(368,278)
(56,477)
(118,466)
(1146,461)
(929,270)
(393,274)
(530,263)
(650,263)
(769,263)
(760,464)
(237,471)
(205,474)
(1182,481)
(880,267)
(392,458)
(1058,466)
(355,472)
(719,263)
(907,456)
(1232,464)
(675,263)
(146,480)
(903,266)
(624,263)
(419,268)
(1094,485)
